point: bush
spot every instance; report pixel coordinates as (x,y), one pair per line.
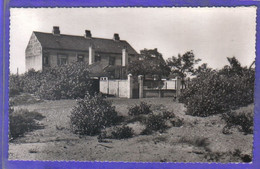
(177,122)
(122,132)
(15,85)
(22,121)
(66,82)
(168,115)
(213,93)
(143,108)
(243,118)
(92,114)
(155,122)
(62,82)
(31,81)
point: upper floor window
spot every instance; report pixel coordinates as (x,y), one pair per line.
(80,58)
(112,60)
(62,59)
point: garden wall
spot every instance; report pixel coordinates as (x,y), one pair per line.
(120,88)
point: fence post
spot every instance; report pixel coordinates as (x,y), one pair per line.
(118,88)
(107,85)
(130,86)
(178,87)
(141,86)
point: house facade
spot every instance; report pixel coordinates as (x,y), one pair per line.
(46,50)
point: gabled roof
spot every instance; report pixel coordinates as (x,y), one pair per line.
(71,42)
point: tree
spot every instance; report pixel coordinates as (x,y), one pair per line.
(183,65)
(202,69)
(150,63)
(234,67)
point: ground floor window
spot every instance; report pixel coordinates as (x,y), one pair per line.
(62,59)
(80,58)
(112,60)
(46,59)
(97,58)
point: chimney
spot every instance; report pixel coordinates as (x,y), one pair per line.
(91,54)
(56,30)
(116,37)
(87,34)
(124,56)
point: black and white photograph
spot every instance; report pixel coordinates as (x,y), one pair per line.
(171,84)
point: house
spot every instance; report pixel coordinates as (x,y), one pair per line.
(111,56)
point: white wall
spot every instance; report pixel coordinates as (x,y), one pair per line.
(119,88)
(169,84)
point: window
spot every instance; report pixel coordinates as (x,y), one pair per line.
(80,58)
(46,59)
(62,59)
(112,60)
(97,58)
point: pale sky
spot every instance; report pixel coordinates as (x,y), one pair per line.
(212,33)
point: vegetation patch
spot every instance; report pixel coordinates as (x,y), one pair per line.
(142,108)
(15,85)
(214,93)
(219,91)
(242,117)
(168,115)
(22,121)
(122,132)
(235,155)
(160,139)
(69,81)
(24,98)
(177,122)
(140,118)
(155,123)
(92,114)
(197,141)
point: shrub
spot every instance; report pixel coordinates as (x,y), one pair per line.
(155,122)
(168,114)
(143,108)
(62,82)
(92,114)
(22,121)
(243,118)
(177,122)
(66,82)
(31,81)
(213,93)
(15,85)
(122,132)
